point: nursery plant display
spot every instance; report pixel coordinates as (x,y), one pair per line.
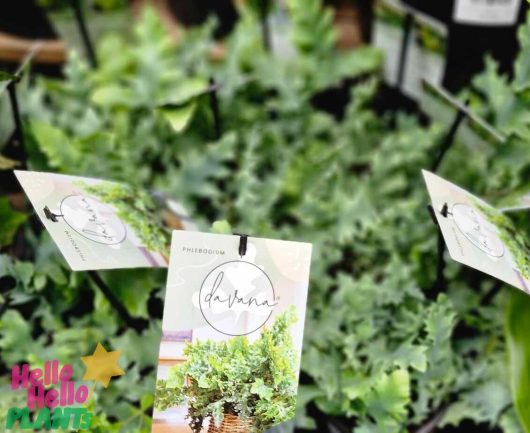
(386,349)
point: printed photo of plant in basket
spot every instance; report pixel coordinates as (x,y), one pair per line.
(236,385)
(514,240)
(137,209)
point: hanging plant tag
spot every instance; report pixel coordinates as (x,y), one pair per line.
(98,224)
(233,325)
(427,56)
(388,36)
(421,55)
(487,12)
(479,235)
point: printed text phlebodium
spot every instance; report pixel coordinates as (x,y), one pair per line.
(208,251)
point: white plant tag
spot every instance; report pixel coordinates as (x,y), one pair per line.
(486,12)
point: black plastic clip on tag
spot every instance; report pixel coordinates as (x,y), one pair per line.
(243,241)
(50,215)
(444,211)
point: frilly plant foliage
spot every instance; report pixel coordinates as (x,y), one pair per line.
(256,381)
(383,349)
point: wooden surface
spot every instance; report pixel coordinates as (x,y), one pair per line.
(14,48)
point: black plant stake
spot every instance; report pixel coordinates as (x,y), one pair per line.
(19,131)
(83,30)
(403,53)
(11,87)
(135,323)
(449,137)
(214,105)
(264,6)
(445,145)
(441,284)
(432,424)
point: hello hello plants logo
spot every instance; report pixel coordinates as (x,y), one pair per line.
(53,398)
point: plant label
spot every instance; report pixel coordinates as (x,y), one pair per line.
(425,46)
(486,12)
(479,235)
(98,224)
(230,312)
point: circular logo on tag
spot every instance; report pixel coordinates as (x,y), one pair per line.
(93,220)
(478,230)
(237,298)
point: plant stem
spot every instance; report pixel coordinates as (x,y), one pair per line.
(433,422)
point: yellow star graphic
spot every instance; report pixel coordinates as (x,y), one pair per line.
(102,365)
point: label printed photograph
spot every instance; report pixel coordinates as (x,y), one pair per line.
(231,333)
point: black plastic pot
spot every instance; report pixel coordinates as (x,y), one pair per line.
(195,12)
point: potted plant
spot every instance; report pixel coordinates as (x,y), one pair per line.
(237,385)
